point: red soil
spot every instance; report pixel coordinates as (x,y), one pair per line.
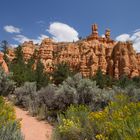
(32,128)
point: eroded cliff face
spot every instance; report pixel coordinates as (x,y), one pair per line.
(3,63)
(87,55)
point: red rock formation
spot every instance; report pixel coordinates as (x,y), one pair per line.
(3,64)
(45,54)
(28,49)
(88,55)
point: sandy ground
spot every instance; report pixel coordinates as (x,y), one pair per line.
(31,128)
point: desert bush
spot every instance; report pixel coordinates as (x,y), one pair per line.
(72,124)
(9,126)
(65,96)
(133,92)
(52,99)
(47,95)
(46,101)
(119,120)
(6,85)
(11,132)
(74,90)
(25,94)
(78,90)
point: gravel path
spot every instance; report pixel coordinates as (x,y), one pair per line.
(32,128)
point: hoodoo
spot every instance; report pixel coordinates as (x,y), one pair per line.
(87,55)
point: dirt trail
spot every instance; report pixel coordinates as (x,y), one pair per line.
(32,128)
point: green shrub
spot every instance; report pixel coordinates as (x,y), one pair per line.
(120,120)
(61,72)
(51,100)
(6,85)
(72,124)
(9,126)
(24,94)
(11,132)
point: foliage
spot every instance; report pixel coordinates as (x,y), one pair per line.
(6,85)
(11,132)
(136,81)
(103,80)
(61,72)
(73,124)
(3,48)
(99,77)
(78,90)
(47,102)
(124,82)
(24,94)
(24,72)
(17,67)
(52,99)
(9,126)
(41,78)
(119,120)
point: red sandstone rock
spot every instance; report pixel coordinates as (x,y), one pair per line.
(87,55)
(3,64)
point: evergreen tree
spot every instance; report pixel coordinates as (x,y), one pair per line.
(41,78)
(29,71)
(100,79)
(17,67)
(124,81)
(61,72)
(4,48)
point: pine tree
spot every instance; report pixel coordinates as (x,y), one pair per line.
(41,78)
(4,48)
(100,79)
(61,72)
(17,67)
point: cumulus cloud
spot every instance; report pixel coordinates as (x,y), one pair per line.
(62,32)
(22,38)
(135,38)
(123,37)
(11,29)
(42,36)
(13,45)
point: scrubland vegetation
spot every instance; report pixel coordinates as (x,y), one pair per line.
(96,108)
(9,126)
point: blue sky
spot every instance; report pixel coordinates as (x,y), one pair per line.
(33,18)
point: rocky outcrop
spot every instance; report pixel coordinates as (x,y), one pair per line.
(87,55)
(3,63)
(28,49)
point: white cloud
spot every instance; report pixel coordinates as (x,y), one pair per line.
(22,38)
(42,36)
(39,39)
(123,37)
(62,32)
(103,35)
(137,30)
(13,45)
(135,38)
(11,29)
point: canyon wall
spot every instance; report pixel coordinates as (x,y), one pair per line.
(86,55)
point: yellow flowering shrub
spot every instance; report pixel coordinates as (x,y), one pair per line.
(120,120)
(7,113)
(73,124)
(9,126)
